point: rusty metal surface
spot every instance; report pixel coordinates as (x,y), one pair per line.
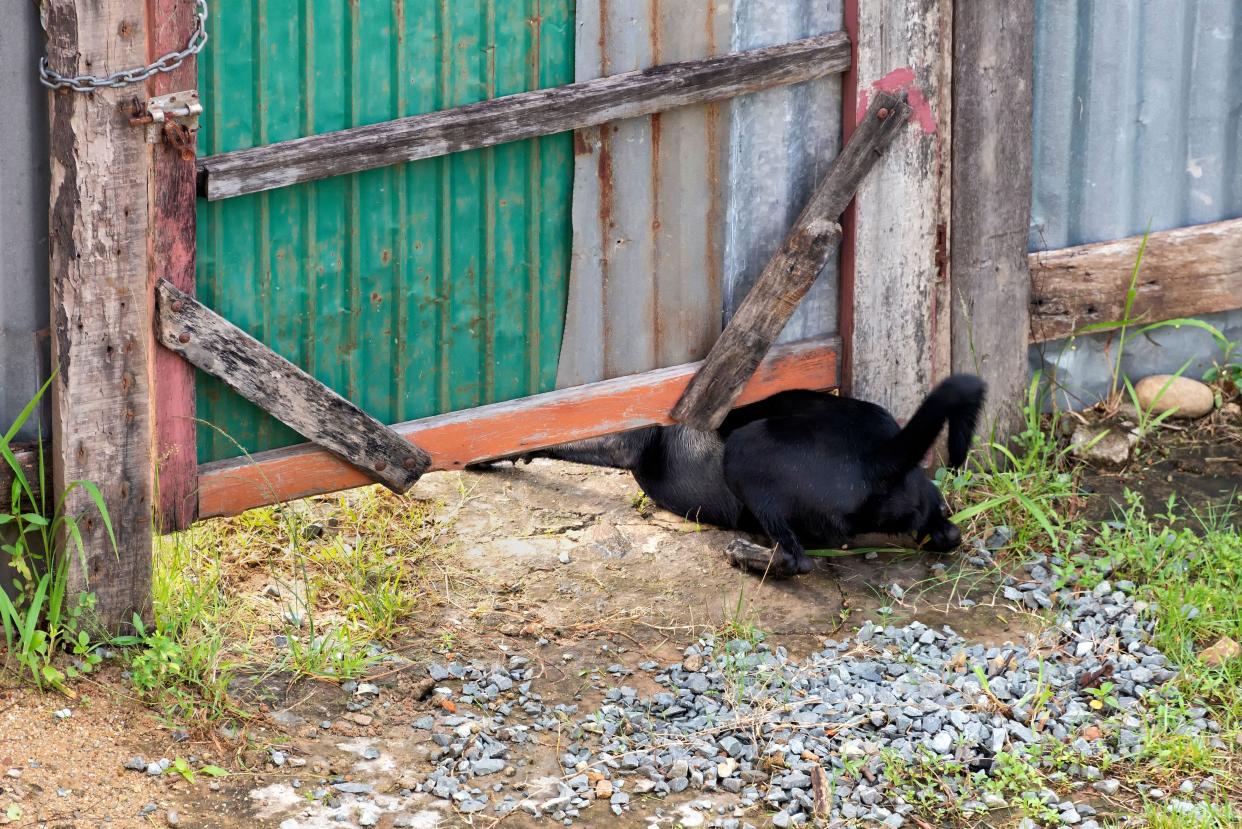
(781,144)
(675,215)
(23,214)
(1136,126)
(414,289)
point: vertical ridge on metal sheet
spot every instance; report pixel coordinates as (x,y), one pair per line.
(648,240)
(781,142)
(1135,126)
(412,289)
(23,220)
(675,214)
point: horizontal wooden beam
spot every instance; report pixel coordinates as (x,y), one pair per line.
(457,439)
(521,116)
(790,272)
(1185,272)
(296,399)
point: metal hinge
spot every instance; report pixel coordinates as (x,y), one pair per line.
(172,118)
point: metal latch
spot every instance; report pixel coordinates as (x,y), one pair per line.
(172,118)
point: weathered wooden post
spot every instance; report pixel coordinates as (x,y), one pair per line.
(101,303)
(993,67)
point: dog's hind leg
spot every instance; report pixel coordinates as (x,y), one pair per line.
(619,451)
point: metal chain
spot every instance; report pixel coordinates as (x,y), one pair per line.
(89,83)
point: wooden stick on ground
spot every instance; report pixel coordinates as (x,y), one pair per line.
(284,391)
(789,274)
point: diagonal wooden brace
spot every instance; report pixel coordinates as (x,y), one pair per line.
(216,346)
(788,276)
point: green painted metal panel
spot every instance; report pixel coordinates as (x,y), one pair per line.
(415,289)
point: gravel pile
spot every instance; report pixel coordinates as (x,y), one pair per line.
(744,720)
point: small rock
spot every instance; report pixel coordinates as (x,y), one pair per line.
(172,818)
(491,765)
(1221,652)
(1102,445)
(1164,392)
(136,763)
(603,789)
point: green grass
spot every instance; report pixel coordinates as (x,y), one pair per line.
(1028,484)
(347,572)
(40,617)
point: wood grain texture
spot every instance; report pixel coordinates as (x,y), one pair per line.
(789,274)
(993,69)
(284,391)
(101,404)
(521,116)
(899,210)
(171,245)
(460,438)
(1185,272)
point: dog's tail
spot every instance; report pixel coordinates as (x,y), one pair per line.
(957,400)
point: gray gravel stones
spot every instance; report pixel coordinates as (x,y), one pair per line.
(732,710)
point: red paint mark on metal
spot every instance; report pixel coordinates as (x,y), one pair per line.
(897,81)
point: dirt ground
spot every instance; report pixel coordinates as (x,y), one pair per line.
(639,585)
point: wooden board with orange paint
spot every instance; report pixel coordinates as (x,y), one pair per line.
(460,438)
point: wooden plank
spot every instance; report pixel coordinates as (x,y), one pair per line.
(1185,272)
(521,116)
(457,439)
(171,246)
(899,210)
(993,69)
(284,391)
(789,274)
(101,405)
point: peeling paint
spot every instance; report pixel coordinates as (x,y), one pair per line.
(897,81)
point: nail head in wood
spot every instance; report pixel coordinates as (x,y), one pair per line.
(380,466)
(184,338)
(882,114)
(177,306)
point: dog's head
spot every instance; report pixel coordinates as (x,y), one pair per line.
(938,533)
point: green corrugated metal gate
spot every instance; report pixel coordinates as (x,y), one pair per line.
(412,290)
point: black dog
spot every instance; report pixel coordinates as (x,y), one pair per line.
(805,468)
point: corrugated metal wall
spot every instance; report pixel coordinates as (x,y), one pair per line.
(23,214)
(1138,123)
(413,289)
(676,214)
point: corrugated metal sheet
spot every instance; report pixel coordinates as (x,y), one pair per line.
(413,289)
(676,214)
(781,144)
(1138,123)
(23,214)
